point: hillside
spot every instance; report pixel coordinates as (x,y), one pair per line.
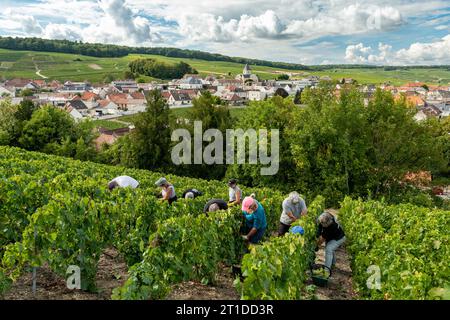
(63,66)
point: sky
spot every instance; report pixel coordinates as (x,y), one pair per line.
(312,32)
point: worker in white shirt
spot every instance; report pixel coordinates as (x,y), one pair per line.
(123,182)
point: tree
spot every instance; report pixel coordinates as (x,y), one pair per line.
(340,147)
(108,78)
(8,122)
(213,114)
(48,126)
(148,146)
(26,93)
(129,75)
(274,113)
(283,77)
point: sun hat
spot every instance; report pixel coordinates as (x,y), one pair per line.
(161,182)
(294,197)
(247,203)
(189,195)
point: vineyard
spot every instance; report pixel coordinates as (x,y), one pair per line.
(404,249)
(58,212)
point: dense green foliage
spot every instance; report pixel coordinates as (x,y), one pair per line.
(410,245)
(47,129)
(60,213)
(148,146)
(276,270)
(338,146)
(160,70)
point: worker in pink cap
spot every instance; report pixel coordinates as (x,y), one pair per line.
(255,220)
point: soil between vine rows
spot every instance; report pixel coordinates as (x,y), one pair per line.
(112,273)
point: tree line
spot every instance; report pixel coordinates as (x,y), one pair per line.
(160,70)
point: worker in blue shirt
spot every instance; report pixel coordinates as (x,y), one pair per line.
(255,220)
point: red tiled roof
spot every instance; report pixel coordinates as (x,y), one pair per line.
(137,95)
(88,96)
(166,94)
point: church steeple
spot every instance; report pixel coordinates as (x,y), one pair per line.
(247,69)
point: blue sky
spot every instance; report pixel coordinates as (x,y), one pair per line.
(404,32)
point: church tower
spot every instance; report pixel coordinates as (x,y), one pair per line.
(247,70)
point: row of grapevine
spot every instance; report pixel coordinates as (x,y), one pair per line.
(184,248)
(398,252)
(58,212)
(277,268)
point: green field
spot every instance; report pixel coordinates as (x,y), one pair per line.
(61,66)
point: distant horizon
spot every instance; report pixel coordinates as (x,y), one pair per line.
(312,33)
(244,57)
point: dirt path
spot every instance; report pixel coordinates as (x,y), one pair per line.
(340,286)
(112,272)
(223,289)
(38,71)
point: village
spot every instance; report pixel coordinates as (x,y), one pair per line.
(127,97)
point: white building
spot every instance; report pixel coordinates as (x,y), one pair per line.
(256,95)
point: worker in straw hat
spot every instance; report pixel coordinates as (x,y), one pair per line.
(167,190)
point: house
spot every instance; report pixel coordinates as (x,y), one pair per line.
(438,95)
(41,83)
(414,101)
(347,81)
(233,99)
(125,86)
(281,92)
(256,95)
(54,85)
(7,91)
(109,137)
(78,105)
(120,99)
(414,85)
(429,111)
(178,98)
(75,87)
(19,84)
(89,99)
(107,107)
(191,83)
(76,115)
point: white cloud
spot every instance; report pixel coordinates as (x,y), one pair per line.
(61,32)
(209,27)
(287,30)
(433,53)
(353,19)
(135,27)
(427,53)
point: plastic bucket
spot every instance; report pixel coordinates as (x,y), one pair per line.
(319,280)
